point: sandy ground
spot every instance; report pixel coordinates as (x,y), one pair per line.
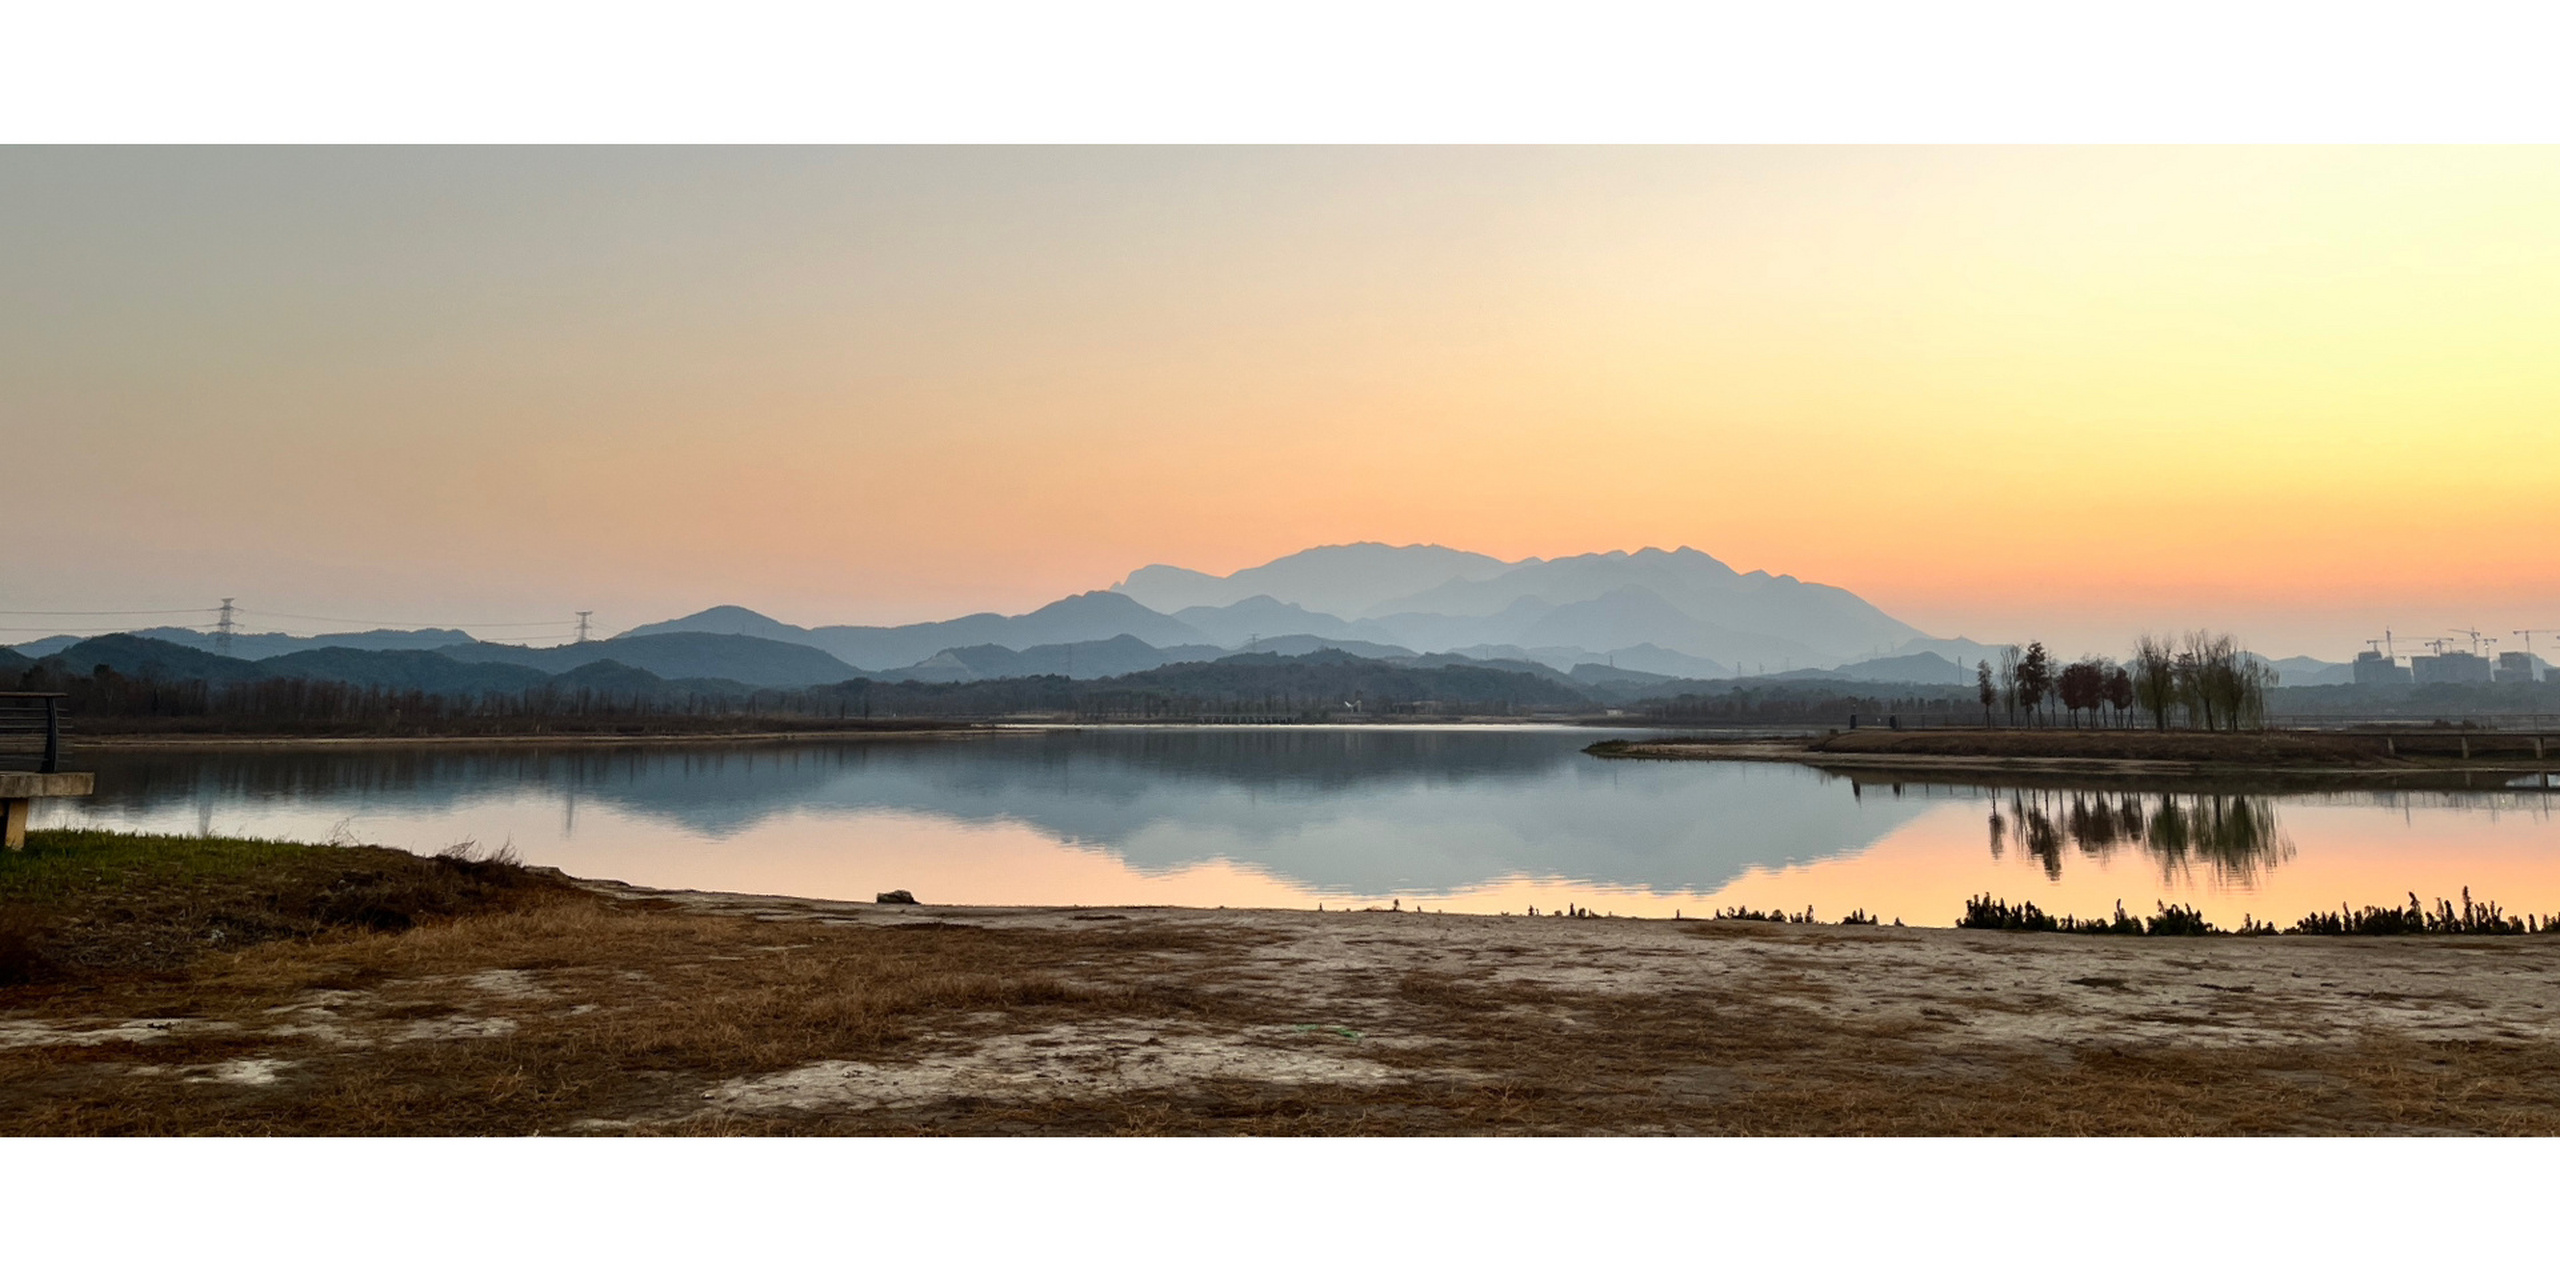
(650,1012)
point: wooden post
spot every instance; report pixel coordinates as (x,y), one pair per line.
(13,824)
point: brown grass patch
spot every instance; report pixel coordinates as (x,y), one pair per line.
(551,1008)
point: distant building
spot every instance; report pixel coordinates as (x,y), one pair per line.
(2514,668)
(2373,668)
(2449,668)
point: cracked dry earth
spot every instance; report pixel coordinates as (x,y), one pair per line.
(628,1011)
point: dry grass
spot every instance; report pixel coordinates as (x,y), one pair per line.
(534,1020)
(553,1008)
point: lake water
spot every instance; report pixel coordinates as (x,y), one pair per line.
(1481,820)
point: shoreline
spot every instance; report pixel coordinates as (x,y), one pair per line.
(498,999)
(2430,774)
(210,741)
(991,728)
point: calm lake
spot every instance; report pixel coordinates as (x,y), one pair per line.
(1483,820)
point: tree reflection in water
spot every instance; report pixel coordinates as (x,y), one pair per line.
(2233,838)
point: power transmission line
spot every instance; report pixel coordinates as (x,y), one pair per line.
(223,630)
(97,613)
(382,622)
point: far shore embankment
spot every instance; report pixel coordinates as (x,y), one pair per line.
(149,737)
(2434,758)
(224,740)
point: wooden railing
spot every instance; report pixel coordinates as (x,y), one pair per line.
(31,727)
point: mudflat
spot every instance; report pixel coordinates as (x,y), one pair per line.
(364,991)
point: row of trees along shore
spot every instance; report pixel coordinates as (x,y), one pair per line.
(109,701)
(2203,681)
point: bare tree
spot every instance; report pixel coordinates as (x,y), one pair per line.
(2009,657)
(2155,678)
(1982,683)
(2222,684)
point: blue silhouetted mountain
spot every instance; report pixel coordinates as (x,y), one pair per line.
(133,655)
(1094,615)
(1432,598)
(1238,625)
(1909,668)
(1293,645)
(1086,660)
(1695,587)
(1348,581)
(254,645)
(46,647)
(405,670)
(434,673)
(1634,657)
(1708,618)
(680,655)
(2307,672)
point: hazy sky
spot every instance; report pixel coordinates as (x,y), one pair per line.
(2304,394)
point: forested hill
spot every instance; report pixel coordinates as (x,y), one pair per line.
(1247,684)
(135,658)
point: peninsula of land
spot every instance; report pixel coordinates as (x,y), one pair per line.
(2434,757)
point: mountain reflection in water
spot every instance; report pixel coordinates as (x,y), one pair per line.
(1461,819)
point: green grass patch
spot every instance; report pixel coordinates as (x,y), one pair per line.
(76,902)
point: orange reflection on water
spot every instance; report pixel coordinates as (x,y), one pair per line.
(2357,850)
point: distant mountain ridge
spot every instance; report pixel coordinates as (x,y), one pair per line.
(1683,601)
(1680,612)
(1349,580)
(425,671)
(1094,615)
(1669,615)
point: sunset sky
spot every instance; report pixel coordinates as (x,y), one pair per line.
(2303,394)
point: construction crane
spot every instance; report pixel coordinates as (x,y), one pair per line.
(2530,632)
(2473,632)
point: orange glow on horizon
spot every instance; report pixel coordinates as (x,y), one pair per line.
(2303,393)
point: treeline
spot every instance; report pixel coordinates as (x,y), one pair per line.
(1809,704)
(108,701)
(1327,684)
(1319,686)
(2207,681)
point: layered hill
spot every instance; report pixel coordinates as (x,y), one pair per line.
(1683,602)
(1678,614)
(425,672)
(1094,615)
(1681,613)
